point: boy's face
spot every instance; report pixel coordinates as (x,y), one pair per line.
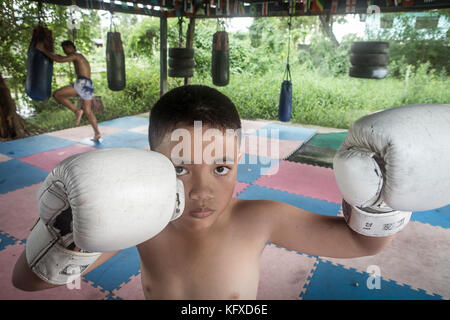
(206,161)
(68,49)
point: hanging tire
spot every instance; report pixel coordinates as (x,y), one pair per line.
(369,59)
(181,53)
(368,72)
(181,73)
(181,62)
(187,63)
(370,47)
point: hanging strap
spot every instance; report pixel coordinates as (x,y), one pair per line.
(112,23)
(220,25)
(40,13)
(74,30)
(180,32)
(287,72)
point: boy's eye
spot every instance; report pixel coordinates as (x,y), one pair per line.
(180,171)
(222,170)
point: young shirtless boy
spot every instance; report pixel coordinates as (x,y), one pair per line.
(212,250)
(83,86)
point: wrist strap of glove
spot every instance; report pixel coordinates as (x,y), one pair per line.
(374,224)
(50,261)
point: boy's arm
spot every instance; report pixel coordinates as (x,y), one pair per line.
(392,162)
(54,57)
(24,278)
(94,213)
(299,230)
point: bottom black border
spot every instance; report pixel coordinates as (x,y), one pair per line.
(260,309)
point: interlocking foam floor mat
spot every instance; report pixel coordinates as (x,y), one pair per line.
(413,266)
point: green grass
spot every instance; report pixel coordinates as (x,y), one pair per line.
(330,101)
(317,99)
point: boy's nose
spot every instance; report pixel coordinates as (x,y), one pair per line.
(203,195)
(201,190)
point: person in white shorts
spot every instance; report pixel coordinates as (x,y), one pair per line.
(83,87)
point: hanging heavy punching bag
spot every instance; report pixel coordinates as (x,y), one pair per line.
(220,62)
(285,106)
(115,62)
(38,84)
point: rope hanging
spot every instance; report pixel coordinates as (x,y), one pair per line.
(285,105)
(220,25)
(287,72)
(40,13)
(111,23)
(180,32)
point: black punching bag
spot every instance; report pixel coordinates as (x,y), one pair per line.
(285,105)
(220,62)
(115,62)
(38,84)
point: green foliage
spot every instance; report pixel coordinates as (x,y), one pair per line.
(419,52)
(19,18)
(204,31)
(324,94)
(144,38)
(140,93)
(269,34)
(426,85)
(410,45)
(246,59)
(334,101)
(324,57)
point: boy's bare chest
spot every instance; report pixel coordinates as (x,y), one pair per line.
(82,67)
(227,269)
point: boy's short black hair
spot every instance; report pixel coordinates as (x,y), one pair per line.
(67,43)
(186,104)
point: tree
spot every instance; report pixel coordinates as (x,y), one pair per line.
(143,39)
(272,32)
(411,43)
(326,23)
(15,31)
(18,19)
(12,126)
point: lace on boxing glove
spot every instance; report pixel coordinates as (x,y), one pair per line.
(50,245)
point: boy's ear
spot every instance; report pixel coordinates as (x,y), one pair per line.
(239,157)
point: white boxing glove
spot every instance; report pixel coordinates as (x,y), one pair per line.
(100,201)
(394,162)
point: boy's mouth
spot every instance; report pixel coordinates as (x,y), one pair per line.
(201,212)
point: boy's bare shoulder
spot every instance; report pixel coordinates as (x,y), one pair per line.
(78,56)
(251,206)
(255,216)
(255,210)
